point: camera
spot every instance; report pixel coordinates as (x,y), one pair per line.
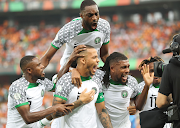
(160,66)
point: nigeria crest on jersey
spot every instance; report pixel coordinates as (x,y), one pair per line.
(124,94)
(97,40)
(42,93)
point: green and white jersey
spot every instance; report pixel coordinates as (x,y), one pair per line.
(151,97)
(85,115)
(117,99)
(73,35)
(21,92)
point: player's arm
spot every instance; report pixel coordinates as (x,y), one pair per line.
(73,57)
(84,98)
(30,117)
(104,52)
(140,100)
(48,55)
(132,108)
(103,115)
(162,100)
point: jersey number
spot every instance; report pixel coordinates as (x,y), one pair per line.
(29,102)
(78,95)
(153,99)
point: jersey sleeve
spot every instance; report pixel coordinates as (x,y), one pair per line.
(166,82)
(107,33)
(64,86)
(49,85)
(100,98)
(18,95)
(63,35)
(133,84)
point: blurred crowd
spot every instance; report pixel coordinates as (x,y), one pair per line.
(134,40)
(33,0)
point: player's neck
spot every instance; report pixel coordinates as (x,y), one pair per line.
(82,71)
(30,79)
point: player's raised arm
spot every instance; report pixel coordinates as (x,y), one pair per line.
(48,55)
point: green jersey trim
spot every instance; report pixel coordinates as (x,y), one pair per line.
(32,85)
(86,31)
(114,82)
(60,97)
(53,87)
(100,98)
(85,78)
(22,104)
(76,19)
(54,46)
(156,86)
(105,43)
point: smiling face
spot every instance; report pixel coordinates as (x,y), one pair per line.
(156,80)
(91,61)
(90,16)
(37,69)
(119,71)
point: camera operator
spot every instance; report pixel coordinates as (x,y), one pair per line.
(170,82)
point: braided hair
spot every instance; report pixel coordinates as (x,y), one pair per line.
(149,60)
(114,57)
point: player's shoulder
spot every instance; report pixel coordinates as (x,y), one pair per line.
(66,78)
(19,84)
(45,81)
(103,24)
(76,22)
(132,80)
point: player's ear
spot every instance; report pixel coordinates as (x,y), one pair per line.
(81,14)
(29,70)
(82,60)
(112,69)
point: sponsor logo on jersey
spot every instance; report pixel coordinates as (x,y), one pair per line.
(124,94)
(97,40)
(17,96)
(42,93)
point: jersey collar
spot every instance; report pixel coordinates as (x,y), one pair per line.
(114,82)
(86,31)
(85,78)
(32,85)
(156,86)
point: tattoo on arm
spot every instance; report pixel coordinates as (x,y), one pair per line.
(57,100)
(105,119)
(77,103)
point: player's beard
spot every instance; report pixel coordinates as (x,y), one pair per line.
(121,82)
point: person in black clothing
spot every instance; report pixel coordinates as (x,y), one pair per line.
(170,83)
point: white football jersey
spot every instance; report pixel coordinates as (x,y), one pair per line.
(85,115)
(117,99)
(73,35)
(21,92)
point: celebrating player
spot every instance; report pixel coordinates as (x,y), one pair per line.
(83,114)
(87,29)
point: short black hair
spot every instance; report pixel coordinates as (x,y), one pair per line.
(86,3)
(25,60)
(113,58)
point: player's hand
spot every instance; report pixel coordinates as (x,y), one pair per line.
(87,97)
(132,110)
(148,79)
(63,109)
(75,54)
(76,78)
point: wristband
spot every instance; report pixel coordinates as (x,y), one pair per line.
(44,122)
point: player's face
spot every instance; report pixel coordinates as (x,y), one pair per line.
(91,61)
(120,71)
(37,69)
(156,80)
(90,17)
